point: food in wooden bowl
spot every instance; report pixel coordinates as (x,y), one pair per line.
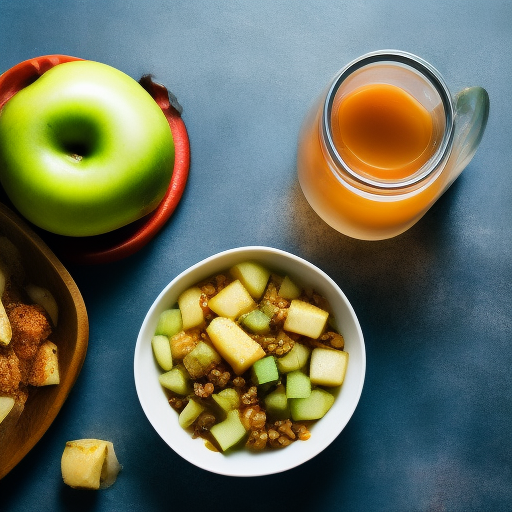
(39,270)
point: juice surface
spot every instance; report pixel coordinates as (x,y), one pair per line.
(360,215)
(381,130)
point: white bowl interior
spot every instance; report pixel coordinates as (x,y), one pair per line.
(164,419)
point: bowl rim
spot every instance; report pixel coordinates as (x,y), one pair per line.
(225,464)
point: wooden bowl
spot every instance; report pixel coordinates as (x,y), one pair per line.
(71,337)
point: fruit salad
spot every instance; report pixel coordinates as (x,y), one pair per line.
(249,357)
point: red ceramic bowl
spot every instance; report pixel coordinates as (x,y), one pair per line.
(129,239)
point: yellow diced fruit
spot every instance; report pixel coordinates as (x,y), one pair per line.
(328,367)
(45,370)
(192,314)
(253,276)
(89,464)
(234,344)
(306,319)
(288,289)
(5,327)
(232,301)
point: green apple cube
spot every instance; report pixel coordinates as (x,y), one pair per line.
(200,360)
(227,399)
(328,367)
(162,351)
(298,385)
(190,413)
(229,432)
(257,322)
(306,319)
(295,359)
(189,302)
(232,301)
(264,371)
(176,380)
(314,407)
(288,289)
(169,323)
(238,349)
(276,404)
(253,276)
(6,406)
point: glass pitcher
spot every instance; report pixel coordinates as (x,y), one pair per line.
(360,195)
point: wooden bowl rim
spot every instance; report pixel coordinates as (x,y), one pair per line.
(14,223)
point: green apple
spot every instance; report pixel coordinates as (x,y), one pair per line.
(84,150)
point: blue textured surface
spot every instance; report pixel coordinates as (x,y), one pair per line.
(433,428)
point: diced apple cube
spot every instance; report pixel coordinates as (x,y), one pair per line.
(192,314)
(298,385)
(169,323)
(306,319)
(45,369)
(176,380)
(295,359)
(201,360)
(257,322)
(229,432)
(232,301)
(162,351)
(190,413)
(253,276)
(234,344)
(264,371)
(227,399)
(314,407)
(276,404)
(328,367)
(288,289)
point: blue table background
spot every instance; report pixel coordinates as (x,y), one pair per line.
(433,428)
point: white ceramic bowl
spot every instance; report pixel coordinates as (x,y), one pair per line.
(243,462)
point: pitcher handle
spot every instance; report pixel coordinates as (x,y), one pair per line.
(471,114)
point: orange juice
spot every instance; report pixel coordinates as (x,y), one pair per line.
(383,131)
(383,143)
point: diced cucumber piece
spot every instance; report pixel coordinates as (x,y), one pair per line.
(295,359)
(201,359)
(276,404)
(229,432)
(253,276)
(227,399)
(190,413)
(176,380)
(264,371)
(288,289)
(313,407)
(257,322)
(162,351)
(169,322)
(328,367)
(298,385)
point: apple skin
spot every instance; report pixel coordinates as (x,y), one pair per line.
(84,150)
